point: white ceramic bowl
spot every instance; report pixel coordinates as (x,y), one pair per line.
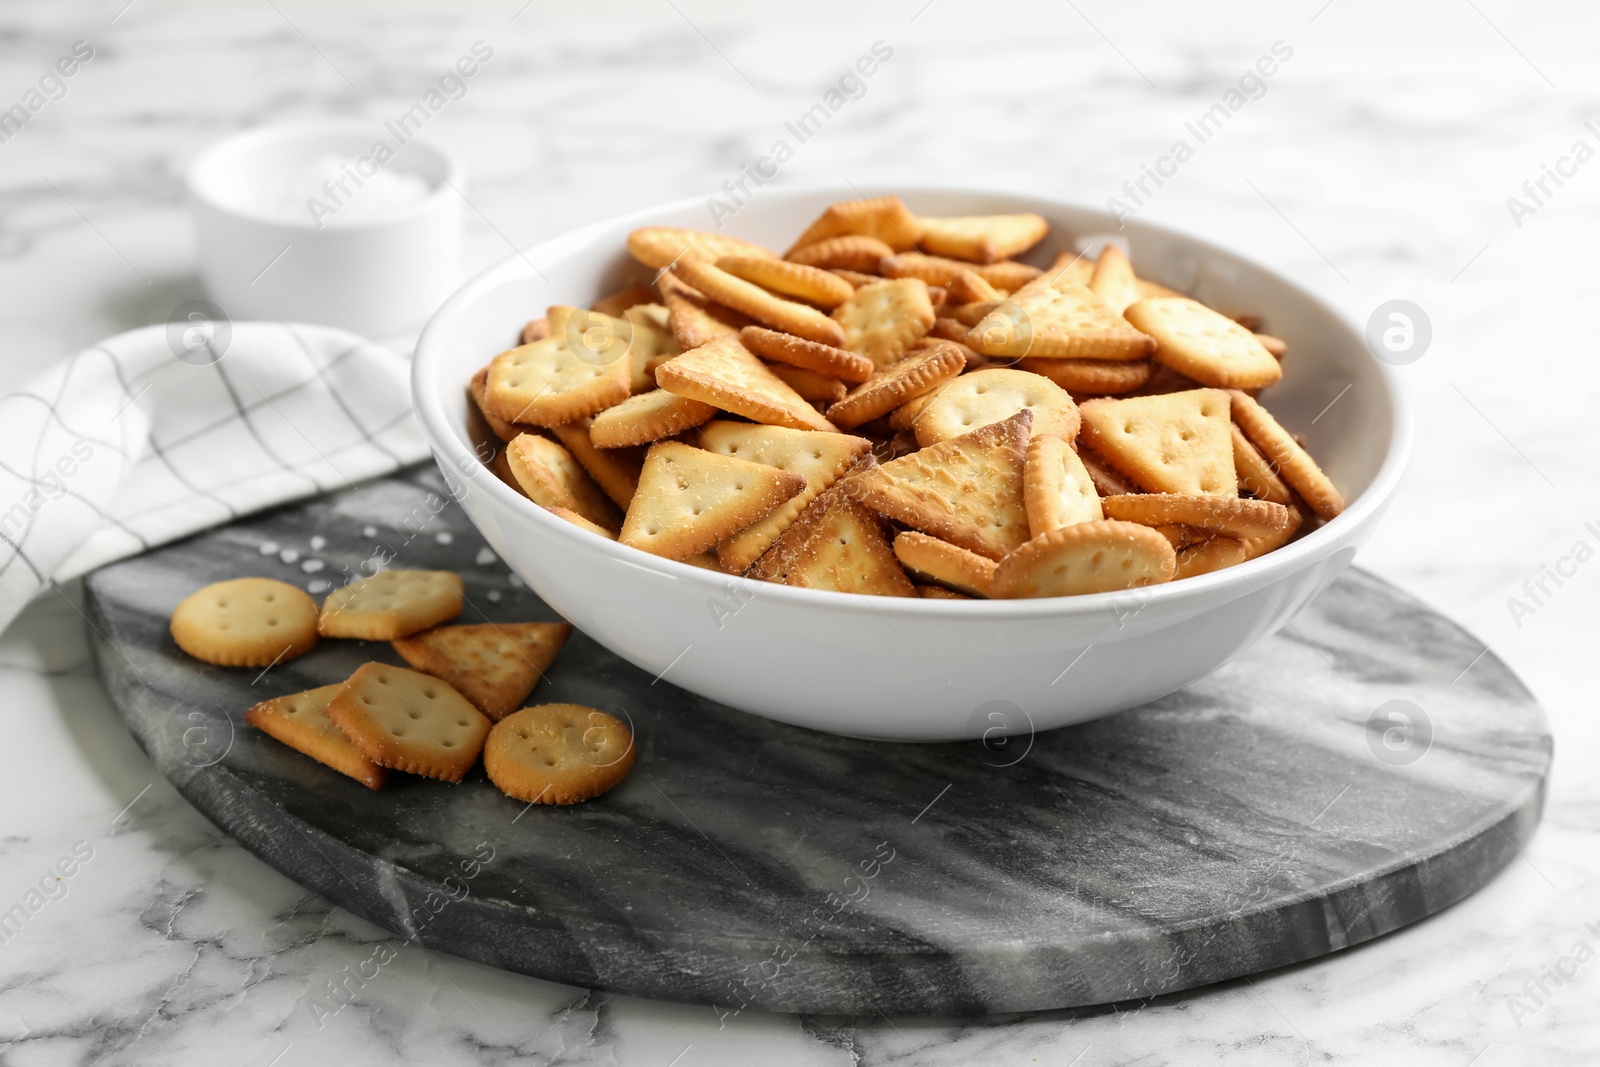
(375,276)
(911,669)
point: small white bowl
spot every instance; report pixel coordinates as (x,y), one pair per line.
(374,276)
(912,669)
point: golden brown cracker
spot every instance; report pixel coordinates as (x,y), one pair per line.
(1113,279)
(884,218)
(985,396)
(1255,474)
(1204,345)
(835,544)
(881,321)
(662,246)
(794,280)
(546,383)
(647,417)
(534,330)
(694,318)
(616,304)
(789,316)
(969,287)
(409,721)
(982,238)
(797,351)
(494,665)
(1231,516)
(726,375)
(1052,317)
(549,475)
(689,499)
(391,604)
(558,754)
(939,592)
(852,252)
(300,720)
(502,429)
(967,490)
(1092,377)
(895,384)
(1281,450)
(1087,557)
(1057,489)
(578,520)
(245,622)
(1212,554)
(1276,347)
(1260,546)
(614,470)
(1174,443)
(1005,276)
(932,560)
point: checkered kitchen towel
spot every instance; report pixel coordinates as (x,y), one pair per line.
(155,434)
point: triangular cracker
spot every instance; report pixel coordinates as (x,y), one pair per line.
(726,375)
(885,217)
(546,383)
(300,720)
(1114,280)
(967,490)
(882,320)
(551,477)
(1172,443)
(689,499)
(694,318)
(835,544)
(819,458)
(1057,488)
(982,238)
(1055,316)
(494,665)
(647,417)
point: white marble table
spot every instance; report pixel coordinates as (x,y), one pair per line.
(1376,165)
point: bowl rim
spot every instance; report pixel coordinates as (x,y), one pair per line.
(1247,577)
(289,130)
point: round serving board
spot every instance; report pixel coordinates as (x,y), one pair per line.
(1366,767)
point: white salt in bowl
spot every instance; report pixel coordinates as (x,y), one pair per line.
(913,669)
(374,251)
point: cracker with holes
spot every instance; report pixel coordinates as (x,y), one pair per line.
(662,246)
(409,721)
(246,622)
(881,321)
(1172,443)
(1231,516)
(694,318)
(1292,462)
(837,544)
(819,458)
(885,218)
(300,720)
(391,604)
(494,665)
(550,476)
(802,320)
(1204,345)
(981,397)
(896,384)
(689,499)
(929,559)
(798,352)
(558,754)
(1089,557)
(647,417)
(797,281)
(726,375)
(967,490)
(547,383)
(1055,318)
(982,238)
(1057,489)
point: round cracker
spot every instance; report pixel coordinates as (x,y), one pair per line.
(246,622)
(1089,557)
(558,753)
(993,395)
(391,604)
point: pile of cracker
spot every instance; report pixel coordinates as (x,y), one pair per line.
(898,406)
(459,703)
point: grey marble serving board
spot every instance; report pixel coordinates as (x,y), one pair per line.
(1269,814)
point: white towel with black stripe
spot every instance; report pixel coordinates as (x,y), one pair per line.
(158,433)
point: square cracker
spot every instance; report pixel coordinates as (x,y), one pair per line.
(300,720)
(726,375)
(1204,345)
(967,490)
(547,383)
(391,604)
(549,475)
(409,721)
(836,544)
(819,458)
(689,499)
(1053,316)
(881,321)
(1171,443)
(494,665)
(982,238)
